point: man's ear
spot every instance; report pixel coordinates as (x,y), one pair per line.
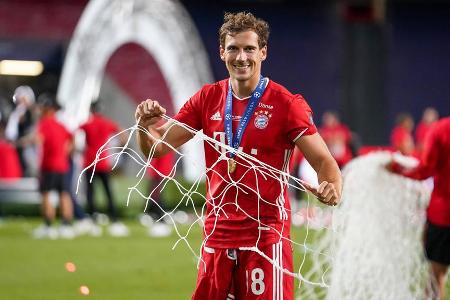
(222,53)
(264,53)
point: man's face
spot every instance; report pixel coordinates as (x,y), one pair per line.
(242,55)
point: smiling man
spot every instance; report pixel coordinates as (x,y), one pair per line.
(261,118)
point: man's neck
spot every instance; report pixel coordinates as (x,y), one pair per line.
(244,89)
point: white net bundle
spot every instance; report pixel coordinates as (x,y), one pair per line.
(378,236)
(188,191)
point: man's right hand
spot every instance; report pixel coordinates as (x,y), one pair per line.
(149,112)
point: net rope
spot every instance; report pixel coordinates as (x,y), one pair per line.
(369,247)
(258,168)
(378,236)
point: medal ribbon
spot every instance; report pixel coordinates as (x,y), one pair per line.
(251,106)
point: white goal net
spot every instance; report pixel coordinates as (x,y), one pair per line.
(368,248)
(377,242)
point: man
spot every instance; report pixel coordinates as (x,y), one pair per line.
(429,116)
(401,136)
(157,206)
(337,136)
(20,125)
(98,129)
(55,143)
(9,164)
(435,162)
(274,122)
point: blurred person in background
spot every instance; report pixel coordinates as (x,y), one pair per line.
(157,207)
(19,128)
(337,136)
(98,129)
(401,136)
(82,222)
(54,145)
(10,167)
(435,162)
(429,116)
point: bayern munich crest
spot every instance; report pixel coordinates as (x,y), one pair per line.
(262,119)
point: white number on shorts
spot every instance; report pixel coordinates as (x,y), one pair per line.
(258,285)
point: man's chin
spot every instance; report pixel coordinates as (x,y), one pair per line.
(241,77)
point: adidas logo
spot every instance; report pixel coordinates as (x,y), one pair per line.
(216,117)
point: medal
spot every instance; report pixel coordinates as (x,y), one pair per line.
(231,165)
(234,142)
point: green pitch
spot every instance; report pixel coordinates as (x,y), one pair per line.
(135,267)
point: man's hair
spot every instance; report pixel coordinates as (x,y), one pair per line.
(243,21)
(402,117)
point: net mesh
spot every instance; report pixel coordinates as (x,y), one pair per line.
(368,248)
(191,191)
(377,239)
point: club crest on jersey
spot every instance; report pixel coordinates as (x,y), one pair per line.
(262,119)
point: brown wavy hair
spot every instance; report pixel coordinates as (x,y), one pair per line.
(234,23)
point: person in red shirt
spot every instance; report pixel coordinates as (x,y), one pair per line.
(156,207)
(19,128)
(9,163)
(260,118)
(98,129)
(55,143)
(430,115)
(337,136)
(401,136)
(435,162)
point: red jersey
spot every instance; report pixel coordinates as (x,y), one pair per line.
(435,161)
(402,140)
(98,130)
(55,140)
(9,162)
(338,140)
(420,134)
(163,165)
(234,211)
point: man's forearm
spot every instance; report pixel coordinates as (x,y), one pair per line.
(330,172)
(147,141)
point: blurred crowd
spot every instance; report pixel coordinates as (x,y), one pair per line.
(409,140)
(34,142)
(345,144)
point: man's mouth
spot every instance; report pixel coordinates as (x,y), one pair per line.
(241,67)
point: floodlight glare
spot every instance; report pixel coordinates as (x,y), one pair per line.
(21,67)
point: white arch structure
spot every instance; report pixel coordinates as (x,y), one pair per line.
(162,27)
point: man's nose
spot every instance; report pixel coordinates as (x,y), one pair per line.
(242,56)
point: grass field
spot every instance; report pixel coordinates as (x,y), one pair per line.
(135,267)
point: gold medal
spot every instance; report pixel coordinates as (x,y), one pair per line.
(231,165)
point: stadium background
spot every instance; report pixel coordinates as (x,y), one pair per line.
(333,52)
(340,55)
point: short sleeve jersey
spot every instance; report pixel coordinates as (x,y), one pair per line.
(98,130)
(400,137)
(338,140)
(435,161)
(255,210)
(9,162)
(55,142)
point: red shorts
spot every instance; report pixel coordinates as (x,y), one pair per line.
(233,274)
